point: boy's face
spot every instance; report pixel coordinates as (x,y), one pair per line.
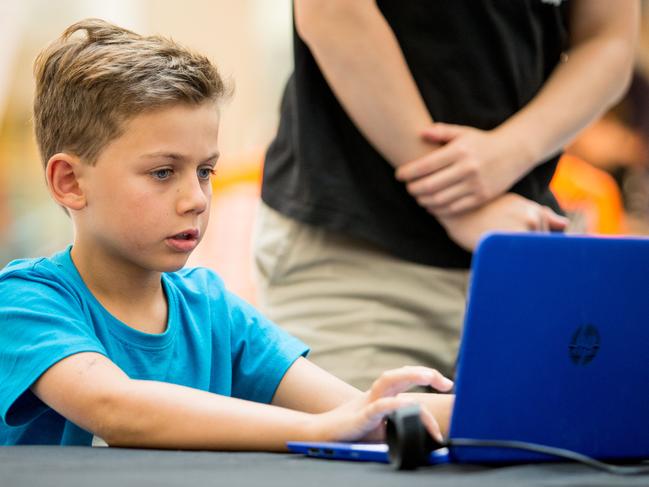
(148,196)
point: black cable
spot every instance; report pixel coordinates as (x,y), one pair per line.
(410,445)
(554,451)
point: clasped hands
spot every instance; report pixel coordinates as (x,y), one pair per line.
(463,183)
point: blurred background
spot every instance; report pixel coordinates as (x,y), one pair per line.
(603,182)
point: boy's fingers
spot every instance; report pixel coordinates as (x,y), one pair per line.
(431,424)
(385,405)
(396,381)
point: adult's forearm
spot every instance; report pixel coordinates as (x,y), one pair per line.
(376,87)
(159,415)
(594,75)
(360,57)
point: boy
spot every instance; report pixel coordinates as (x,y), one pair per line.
(111,338)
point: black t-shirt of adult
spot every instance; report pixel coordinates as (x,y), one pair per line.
(475,62)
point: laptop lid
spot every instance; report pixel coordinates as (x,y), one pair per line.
(555,347)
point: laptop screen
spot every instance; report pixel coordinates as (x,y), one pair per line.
(555,347)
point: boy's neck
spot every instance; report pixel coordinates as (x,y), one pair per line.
(133,295)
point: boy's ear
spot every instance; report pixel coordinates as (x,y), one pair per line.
(63,173)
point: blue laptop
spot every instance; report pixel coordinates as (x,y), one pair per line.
(555,352)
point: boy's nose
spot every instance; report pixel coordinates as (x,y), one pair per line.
(192,197)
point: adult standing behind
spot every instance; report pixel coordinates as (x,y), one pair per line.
(407,130)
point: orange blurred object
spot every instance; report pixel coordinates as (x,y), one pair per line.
(589,193)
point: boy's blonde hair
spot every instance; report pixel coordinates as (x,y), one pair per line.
(96,76)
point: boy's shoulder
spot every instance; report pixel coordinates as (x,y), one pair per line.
(19,265)
(39,266)
(25,279)
(37,281)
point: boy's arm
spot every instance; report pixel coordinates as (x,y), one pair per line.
(307,387)
(362,61)
(475,165)
(91,391)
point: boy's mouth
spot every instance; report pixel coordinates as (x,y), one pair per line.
(186,235)
(184,241)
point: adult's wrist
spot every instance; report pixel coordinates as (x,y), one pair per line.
(520,145)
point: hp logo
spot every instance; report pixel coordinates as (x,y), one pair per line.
(584,345)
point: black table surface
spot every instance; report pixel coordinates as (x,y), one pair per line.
(34,466)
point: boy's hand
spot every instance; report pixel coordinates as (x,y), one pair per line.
(363,418)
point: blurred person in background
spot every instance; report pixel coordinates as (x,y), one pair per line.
(408,130)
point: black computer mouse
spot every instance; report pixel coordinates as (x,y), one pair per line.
(408,440)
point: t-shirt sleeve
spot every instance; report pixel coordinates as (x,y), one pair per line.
(261,352)
(41,323)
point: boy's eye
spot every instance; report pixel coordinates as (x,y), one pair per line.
(204,172)
(161,174)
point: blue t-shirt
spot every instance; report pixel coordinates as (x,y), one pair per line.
(214,341)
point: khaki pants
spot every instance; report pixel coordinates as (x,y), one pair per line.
(360,310)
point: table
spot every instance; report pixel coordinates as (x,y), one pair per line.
(34,466)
